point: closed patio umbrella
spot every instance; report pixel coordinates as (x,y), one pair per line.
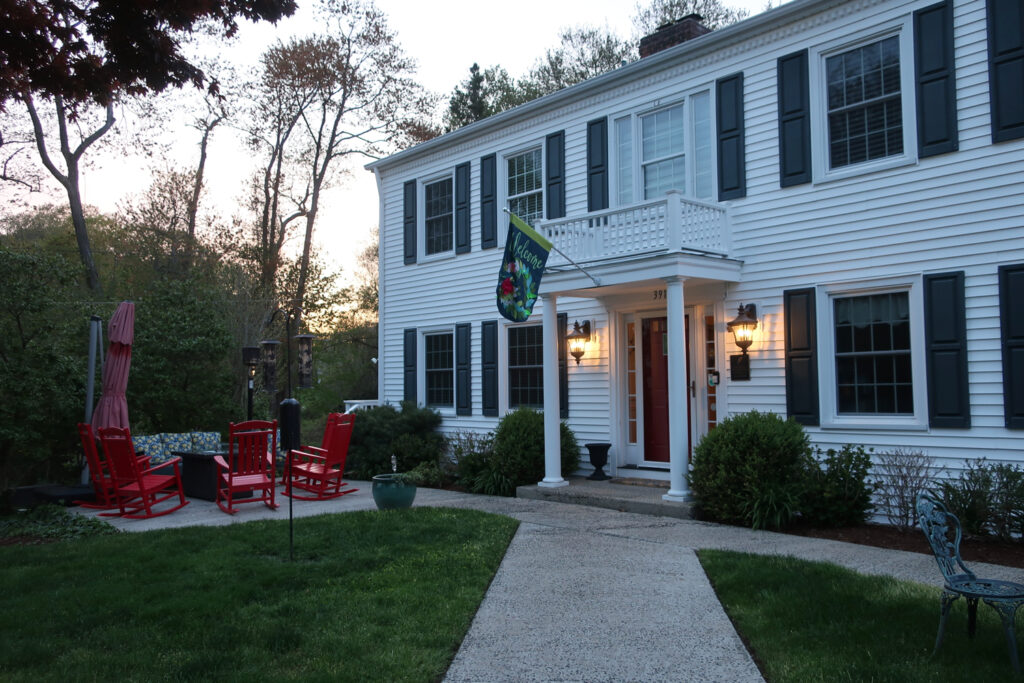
(112,410)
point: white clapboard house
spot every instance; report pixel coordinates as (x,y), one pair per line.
(848,173)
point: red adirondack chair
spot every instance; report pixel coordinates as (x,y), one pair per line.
(319,470)
(250,465)
(137,485)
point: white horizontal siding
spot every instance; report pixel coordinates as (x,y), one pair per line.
(958,211)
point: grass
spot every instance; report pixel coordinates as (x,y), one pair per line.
(812,621)
(371,596)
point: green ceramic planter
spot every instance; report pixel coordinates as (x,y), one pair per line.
(390,492)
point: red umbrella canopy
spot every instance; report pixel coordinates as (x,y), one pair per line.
(112,410)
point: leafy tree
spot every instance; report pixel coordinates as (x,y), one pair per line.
(97,50)
(584,52)
(75,54)
(715,14)
(41,374)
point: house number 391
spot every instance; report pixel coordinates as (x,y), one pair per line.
(659,294)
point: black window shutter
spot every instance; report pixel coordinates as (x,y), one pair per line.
(409,393)
(554,175)
(462,208)
(945,334)
(1011,314)
(488,202)
(563,367)
(794,120)
(1006,68)
(489,366)
(597,165)
(409,220)
(732,171)
(463,370)
(936,80)
(801,356)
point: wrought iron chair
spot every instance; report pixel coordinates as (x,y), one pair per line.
(318,471)
(942,528)
(250,465)
(137,485)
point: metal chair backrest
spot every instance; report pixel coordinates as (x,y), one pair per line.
(124,464)
(250,444)
(942,529)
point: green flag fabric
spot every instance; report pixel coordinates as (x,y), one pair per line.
(526,252)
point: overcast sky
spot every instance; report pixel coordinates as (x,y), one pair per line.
(444,37)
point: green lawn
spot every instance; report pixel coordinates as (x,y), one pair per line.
(371,596)
(811,621)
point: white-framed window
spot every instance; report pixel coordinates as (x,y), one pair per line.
(872,365)
(525,353)
(438,216)
(439,369)
(524,185)
(862,101)
(662,148)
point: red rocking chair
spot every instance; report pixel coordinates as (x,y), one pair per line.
(250,465)
(99,472)
(318,471)
(137,486)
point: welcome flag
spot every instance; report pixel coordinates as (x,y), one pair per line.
(526,252)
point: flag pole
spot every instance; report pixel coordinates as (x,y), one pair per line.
(583,270)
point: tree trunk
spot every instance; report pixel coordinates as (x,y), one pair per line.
(81,233)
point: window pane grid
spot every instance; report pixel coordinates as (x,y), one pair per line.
(873,362)
(526,366)
(440,379)
(662,145)
(438,210)
(525,186)
(865,115)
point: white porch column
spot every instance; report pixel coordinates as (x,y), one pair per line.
(678,393)
(552,435)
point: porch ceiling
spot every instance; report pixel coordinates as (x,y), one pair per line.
(624,276)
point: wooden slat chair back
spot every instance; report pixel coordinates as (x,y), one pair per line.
(249,466)
(138,486)
(99,472)
(942,529)
(319,471)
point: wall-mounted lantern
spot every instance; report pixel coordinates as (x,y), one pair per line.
(742,328)
(578,338)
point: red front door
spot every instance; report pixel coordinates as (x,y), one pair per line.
(655,382)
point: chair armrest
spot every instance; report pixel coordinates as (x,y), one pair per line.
(303,455)
(221,462)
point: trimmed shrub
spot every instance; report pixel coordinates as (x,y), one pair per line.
(410,434)
(515,457)
(837,492)
(751,470)
(988,499)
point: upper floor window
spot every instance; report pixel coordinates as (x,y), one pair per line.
(439,352)
(526,366)
(438,201)
(865,110)
(672,152)
(525,192)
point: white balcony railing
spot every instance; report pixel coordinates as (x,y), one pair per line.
(663,225)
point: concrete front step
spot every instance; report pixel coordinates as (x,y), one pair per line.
(614,494)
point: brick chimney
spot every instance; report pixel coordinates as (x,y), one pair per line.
(670,35)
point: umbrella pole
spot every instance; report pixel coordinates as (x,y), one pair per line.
(90,380)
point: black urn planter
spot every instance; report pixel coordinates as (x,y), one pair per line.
(598,458)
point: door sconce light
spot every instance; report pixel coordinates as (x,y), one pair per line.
(578,339)
(743,326)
